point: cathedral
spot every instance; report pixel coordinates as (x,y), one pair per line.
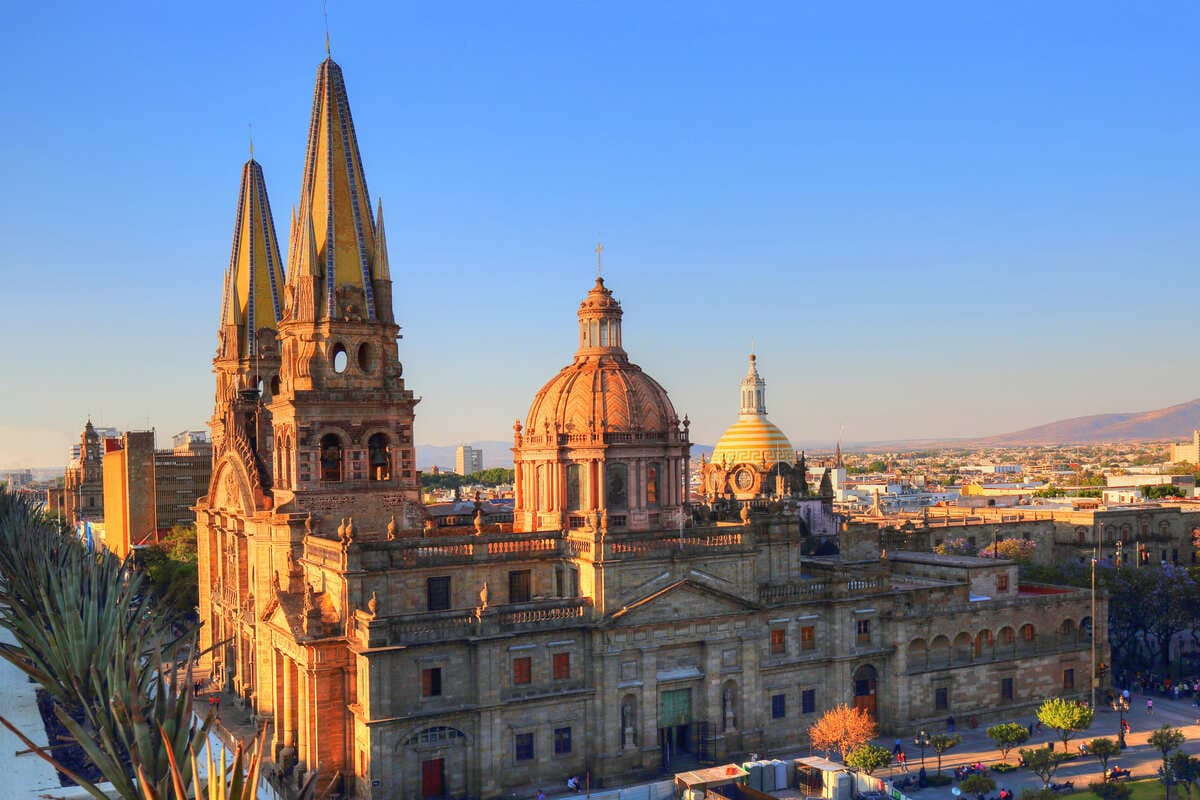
(610,630)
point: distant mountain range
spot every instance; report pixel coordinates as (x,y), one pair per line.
(1174,422)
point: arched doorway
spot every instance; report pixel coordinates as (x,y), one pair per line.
(865,688)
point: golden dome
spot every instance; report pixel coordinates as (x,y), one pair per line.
(753,439)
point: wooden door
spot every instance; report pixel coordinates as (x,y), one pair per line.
(433,778)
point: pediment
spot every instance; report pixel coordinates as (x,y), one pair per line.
(682,600)
(277,616)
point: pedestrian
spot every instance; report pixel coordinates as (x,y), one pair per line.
(950,724)
(902,760)
(896,748)
(540,795)
(1149,705)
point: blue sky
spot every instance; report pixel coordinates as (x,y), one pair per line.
(932,219)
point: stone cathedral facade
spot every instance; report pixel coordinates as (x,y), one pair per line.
(610,629)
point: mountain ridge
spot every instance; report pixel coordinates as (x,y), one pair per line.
(1172,422)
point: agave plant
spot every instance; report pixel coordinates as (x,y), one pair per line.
(88,630)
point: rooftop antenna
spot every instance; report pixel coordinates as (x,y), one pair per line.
(325,12)
(599,252)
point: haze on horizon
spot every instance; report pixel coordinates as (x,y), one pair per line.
(933,221)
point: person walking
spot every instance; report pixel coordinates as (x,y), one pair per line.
(1149,705)
(902,760)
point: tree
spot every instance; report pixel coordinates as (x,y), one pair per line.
(977,784)
(941,742)
(1008,735)
(1166,739)
(1020,550)
(869,757)
(842,728)
(1187,771)
(1043,762)
(1161,491)
(1103,750)
(1065,716)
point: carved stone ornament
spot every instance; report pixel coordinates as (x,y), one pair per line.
(391,529)
(478,521)
(372,605)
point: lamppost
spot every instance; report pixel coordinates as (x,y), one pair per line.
(1093,636)
(921,740)
(995,539)
(1122,707)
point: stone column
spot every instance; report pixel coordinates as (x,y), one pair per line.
(289,702)
(648,720)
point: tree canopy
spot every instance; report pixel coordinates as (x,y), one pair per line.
(842,728)
(1065,716)
(495,476)
(1008,735)
(869,757)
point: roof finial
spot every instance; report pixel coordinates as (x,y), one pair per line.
(325,11)
(250,125)
(599,251)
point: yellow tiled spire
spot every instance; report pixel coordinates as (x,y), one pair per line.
(334,200)
(252,299)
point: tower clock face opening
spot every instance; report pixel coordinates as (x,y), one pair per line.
(743,479)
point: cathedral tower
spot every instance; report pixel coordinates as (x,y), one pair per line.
(313,457)
(247,359)
(343,418)
(602,446)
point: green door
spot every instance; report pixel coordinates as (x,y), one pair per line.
(675,708)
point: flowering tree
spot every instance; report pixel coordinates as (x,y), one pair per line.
(954,547)
(1019,550)
(842,728)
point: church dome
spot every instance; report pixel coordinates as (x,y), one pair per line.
(601,391)
(600,394)
(753,439)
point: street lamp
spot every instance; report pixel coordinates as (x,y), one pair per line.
(1093,636)
(995,539)
(1122,707)
(921,740)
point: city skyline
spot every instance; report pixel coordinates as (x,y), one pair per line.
(924,236)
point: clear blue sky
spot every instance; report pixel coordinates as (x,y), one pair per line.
(932,219)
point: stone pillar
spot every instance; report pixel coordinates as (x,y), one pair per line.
(289,702)
(648,720)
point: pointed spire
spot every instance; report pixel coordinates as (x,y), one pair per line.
(334,196)
(303,272)
(383,270)
(251,300)
(837,455)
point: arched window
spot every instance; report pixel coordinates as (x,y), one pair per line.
(331,458)
(983,644)
(1027,633)
(652,470)
(573,499)
(616,492)
(379,455)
